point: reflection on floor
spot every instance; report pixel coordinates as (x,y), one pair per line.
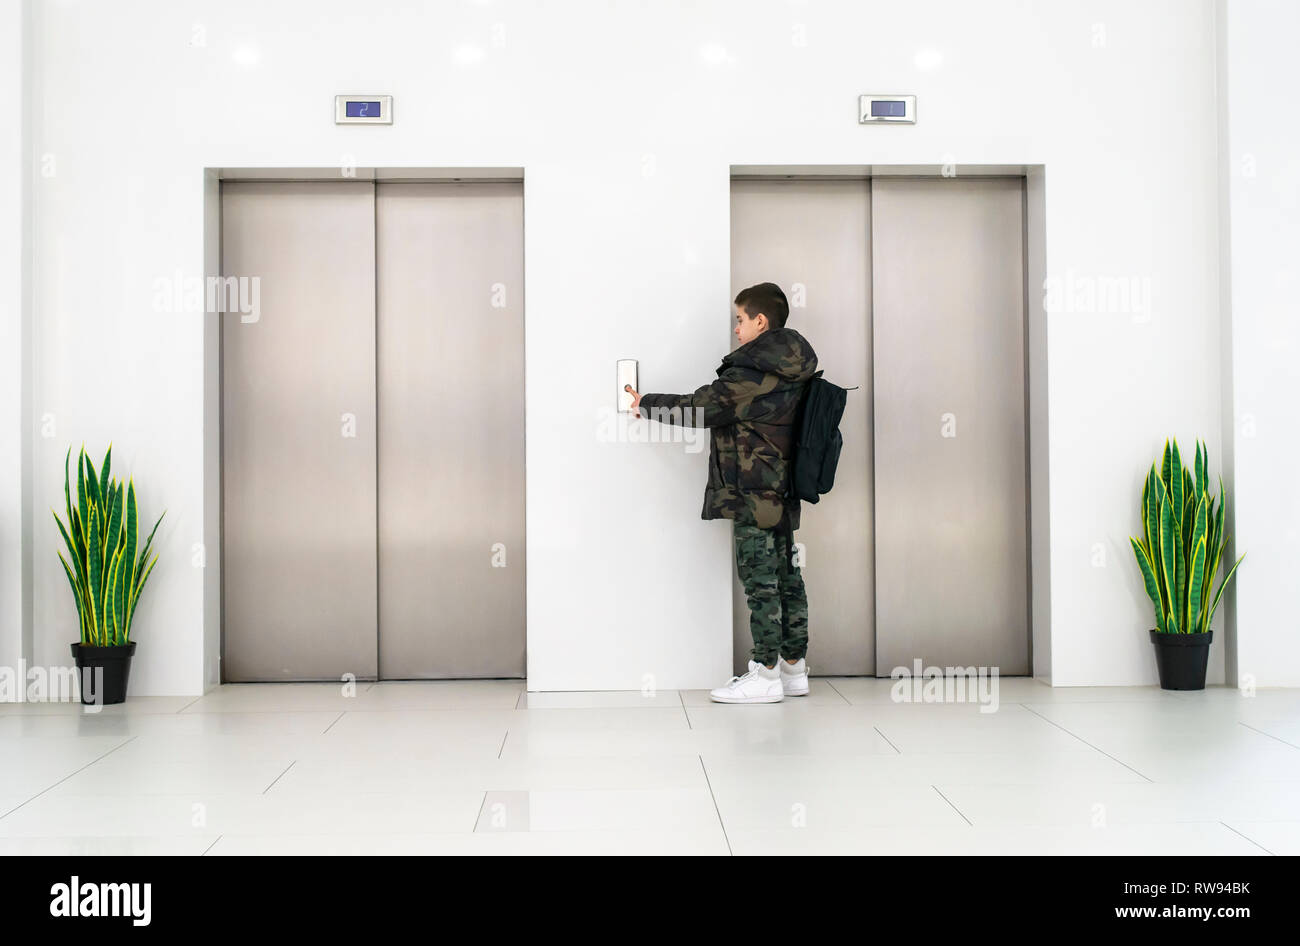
(483,767)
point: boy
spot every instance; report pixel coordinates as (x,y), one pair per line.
(750,411)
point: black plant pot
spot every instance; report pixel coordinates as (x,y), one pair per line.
(1181,659)
(115,662)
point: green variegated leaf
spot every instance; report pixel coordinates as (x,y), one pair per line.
(82,538)
(1202,466)
(1212,552)
(105,483)
(1149,580)
(77,577)
(1212,535)
(144,576)
(110,597)
(1157,554)
(1197,571)
(67,539)
(144,554)
(1213,558)
(130,526)
(1168,557)
(83,497)
(95,575)
(1180,577)
(1150,508)
(1175,484)
(1146,489)
(96,498)
(76,595)
(120,593)
(1218,594)
(67,488)
(114,537)
(79,537)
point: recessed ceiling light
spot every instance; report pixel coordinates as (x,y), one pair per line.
(468,54)
(927,59)
(246,55)
(715,54)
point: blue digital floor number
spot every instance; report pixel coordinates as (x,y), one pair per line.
(363,110)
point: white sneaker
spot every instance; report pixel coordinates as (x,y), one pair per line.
(794,677)
(759,685)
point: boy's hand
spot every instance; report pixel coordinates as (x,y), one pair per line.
(636,399)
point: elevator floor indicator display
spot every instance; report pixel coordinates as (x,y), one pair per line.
(887,108)
(363,109)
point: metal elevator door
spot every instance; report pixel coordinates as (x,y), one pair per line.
(298,433)
(372,432)
(952,511)
(812,238)
(914,290)
(451,430)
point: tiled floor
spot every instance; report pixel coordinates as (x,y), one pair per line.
(482,767)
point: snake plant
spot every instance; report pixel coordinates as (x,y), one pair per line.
(1182,542)
(108,569)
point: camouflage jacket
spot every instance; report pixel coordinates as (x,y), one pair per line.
(750,412)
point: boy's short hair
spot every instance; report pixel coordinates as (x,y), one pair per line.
(767,298)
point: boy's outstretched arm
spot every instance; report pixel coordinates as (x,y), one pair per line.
(713,405)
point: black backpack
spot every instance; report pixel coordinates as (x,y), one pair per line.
(818,440)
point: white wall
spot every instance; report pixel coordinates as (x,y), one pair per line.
(15,524)
(626,118)
(1262,170)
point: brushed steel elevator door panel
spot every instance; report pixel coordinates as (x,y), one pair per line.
(812,238)
(298,433)
(451,430)
(950,470)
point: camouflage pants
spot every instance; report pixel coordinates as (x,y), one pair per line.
(778,605)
